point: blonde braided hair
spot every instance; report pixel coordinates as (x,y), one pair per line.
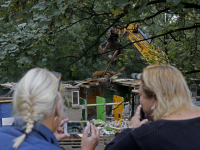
(34,99)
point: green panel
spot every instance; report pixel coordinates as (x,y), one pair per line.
(82,103)
(100,109)
(97,121)
(109,128)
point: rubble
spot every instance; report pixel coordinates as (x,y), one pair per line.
(108,130)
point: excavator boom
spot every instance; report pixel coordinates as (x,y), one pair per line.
(135,35)
(138,38)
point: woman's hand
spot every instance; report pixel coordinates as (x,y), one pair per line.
(135,120)
(89,143)
(59,134)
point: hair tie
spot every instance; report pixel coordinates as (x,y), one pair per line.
(26,133)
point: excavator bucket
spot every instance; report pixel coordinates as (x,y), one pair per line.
(108,47)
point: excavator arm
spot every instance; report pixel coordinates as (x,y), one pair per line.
(150,53)
(139,40)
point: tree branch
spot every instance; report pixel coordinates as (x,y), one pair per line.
(194,71)
(166,33)
(190,5)
(152,2)
(74,23)
(186,5)
(169,32)
(174,38)
(98,38)
(70,56)
(149,17)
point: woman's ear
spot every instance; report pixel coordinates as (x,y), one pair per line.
(155,100)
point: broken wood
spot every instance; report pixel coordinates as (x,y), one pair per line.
(94,83)
(85,86)
(135,91)
(118,71)
(100,73)
(96,80)
(110,62)
(92,80)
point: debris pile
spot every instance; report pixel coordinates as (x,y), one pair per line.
(110,129)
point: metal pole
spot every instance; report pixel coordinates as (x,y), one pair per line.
(107,104)
(103,92)
(6,101)
(133,100)
(86,109)
(105,108)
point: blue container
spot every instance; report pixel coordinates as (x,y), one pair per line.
(5,110)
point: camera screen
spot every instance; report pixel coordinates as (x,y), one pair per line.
(76,127)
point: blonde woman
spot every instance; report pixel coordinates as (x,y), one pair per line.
(37,105)
(165,99)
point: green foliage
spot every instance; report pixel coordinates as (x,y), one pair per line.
(64,35)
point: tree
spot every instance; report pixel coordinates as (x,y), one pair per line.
(63,35)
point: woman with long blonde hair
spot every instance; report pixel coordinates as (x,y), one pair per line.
(165,99)
(37,105)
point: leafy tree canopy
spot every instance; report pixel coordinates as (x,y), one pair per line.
(64,35)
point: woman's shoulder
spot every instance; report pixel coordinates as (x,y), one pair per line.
(9,130)
(9,133)
(179,122)
(161,126)
(39,144)
(145,129)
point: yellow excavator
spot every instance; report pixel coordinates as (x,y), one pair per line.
(138,38)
